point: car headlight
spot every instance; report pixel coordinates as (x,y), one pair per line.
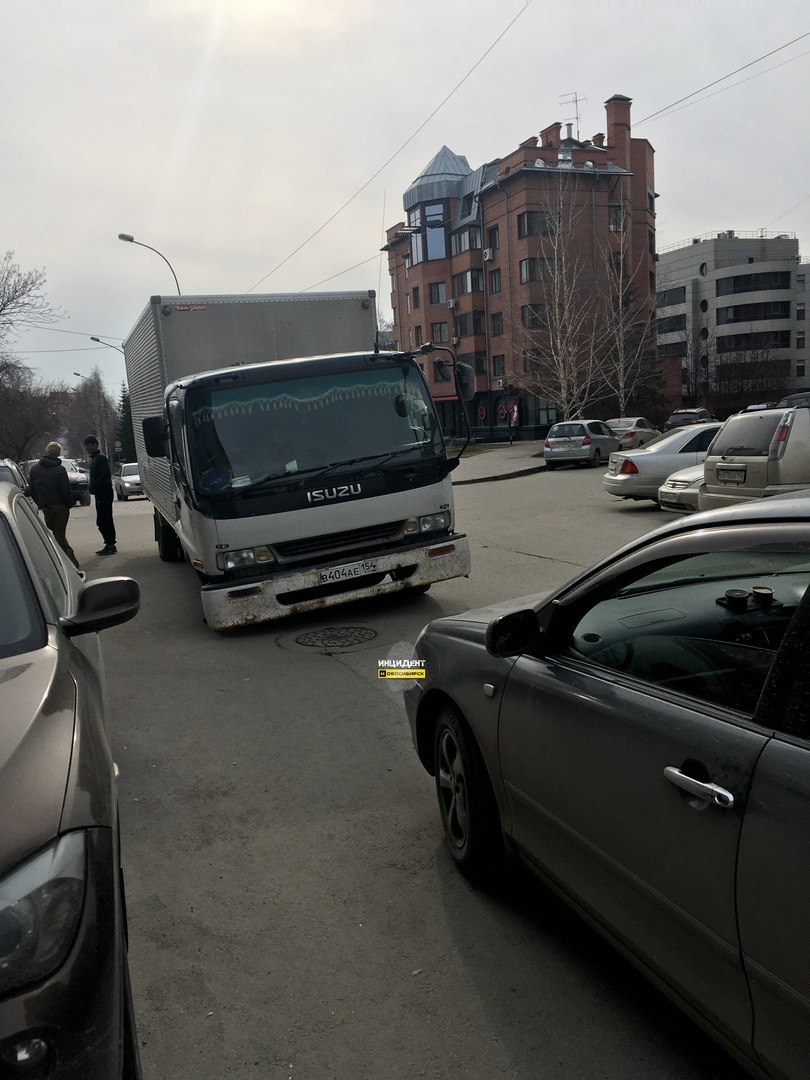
(429,523)
(237,560)
(40,907)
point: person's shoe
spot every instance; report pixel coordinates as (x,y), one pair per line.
(108,549)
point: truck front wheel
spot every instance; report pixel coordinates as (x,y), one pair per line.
(169,548)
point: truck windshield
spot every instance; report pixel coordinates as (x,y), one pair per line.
(241,436)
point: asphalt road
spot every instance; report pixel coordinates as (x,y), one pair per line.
(292,911)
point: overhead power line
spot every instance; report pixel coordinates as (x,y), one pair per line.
(722,79)
(396,153)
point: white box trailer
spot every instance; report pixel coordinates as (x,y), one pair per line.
(290,462)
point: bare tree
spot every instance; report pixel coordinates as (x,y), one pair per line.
(29,412)
(22,299)
(560,333)
(92,411)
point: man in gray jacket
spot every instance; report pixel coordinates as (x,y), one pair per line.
(50,488)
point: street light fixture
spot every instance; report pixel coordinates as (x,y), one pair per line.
(131,240)
(109,346)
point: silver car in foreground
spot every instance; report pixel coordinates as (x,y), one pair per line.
(579,442)
(640,738)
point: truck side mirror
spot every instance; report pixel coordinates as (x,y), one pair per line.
(154,436)
(465,382)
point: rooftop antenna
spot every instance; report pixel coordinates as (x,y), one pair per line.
(572,99)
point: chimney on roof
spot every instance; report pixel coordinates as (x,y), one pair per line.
(569,131)
(618,125)
(550,136)
(599,139)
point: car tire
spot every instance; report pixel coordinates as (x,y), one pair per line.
(596,460)
(123,496)
(85,500)
(169,548)
(118,495)
(550,467)
(467,805)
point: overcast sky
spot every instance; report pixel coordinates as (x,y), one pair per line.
(226,132)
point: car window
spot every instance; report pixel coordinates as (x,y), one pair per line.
(707,625)
(699,442)
(566,431)
(747,433)
(43,556)
(7,474)
(22,628)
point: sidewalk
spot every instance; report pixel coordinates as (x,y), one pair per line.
(500,462)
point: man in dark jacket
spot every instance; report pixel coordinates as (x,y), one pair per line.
(101,487)
(50,488)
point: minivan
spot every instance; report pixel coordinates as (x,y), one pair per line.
(757,454)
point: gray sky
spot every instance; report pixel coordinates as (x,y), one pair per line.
(225,132)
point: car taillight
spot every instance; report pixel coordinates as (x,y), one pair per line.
(546,445)
(628,468)
(586,441)
(776,450)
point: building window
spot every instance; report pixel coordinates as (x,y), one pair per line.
(674,348)
(410,339)
(533,317)
(775,309)
(497,324)
(494,238)
(393,283)
(800,312)
(499,365)
(800,368)
(535,223)
(800,339)
(534,270)
(438,294)
(800,282)
(470,323)
(438,331)
(617,264)
(530,360)
(616,217)
(435,232)
(415,297)
(770,279)
(495,280)
(418,334)
(465,240)
(480,364)
(767,339)
(651,201)
(407,303)
(468,282)
(670,324)
(651,242)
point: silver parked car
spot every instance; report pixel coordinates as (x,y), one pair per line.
(579,442)
(632,431)
(640,738)
(128,481)
(638,474)
(65,1000)
(679,492)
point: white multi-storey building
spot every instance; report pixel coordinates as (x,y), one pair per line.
(732,307)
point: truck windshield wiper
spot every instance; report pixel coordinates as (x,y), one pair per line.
(386,455)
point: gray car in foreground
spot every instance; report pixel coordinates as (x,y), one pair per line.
(641,739)
(65,1001)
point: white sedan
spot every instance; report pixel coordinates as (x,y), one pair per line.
(638,474)
(679,492)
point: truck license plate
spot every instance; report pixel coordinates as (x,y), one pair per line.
(346,573)
(731,476)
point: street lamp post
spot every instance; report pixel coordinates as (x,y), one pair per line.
(131,240)
(100,342)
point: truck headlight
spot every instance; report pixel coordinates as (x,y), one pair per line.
(40,907)
(429,523)
(237,560)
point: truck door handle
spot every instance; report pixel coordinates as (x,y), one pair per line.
(711,793)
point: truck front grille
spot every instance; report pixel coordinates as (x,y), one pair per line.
(357,541)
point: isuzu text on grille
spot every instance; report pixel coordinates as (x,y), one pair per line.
(342,491)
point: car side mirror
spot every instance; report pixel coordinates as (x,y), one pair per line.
(513,634)
(101,604)
(154,436)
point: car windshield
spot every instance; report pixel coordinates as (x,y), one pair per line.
(566,431)
(726,565)
(249,435)
(21,625)
(746,433)
(129,470)
(621,425)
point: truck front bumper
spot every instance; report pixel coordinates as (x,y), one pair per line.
(292,592)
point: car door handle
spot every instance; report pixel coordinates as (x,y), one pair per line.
(711,793)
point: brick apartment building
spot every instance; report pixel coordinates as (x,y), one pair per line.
(467,266)
(731,308)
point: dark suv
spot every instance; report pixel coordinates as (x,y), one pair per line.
(682,417)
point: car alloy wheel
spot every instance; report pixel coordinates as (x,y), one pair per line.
(467,804)
(596,460)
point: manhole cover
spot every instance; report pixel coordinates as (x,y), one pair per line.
(336,637)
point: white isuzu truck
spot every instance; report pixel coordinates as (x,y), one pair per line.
(290,462)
